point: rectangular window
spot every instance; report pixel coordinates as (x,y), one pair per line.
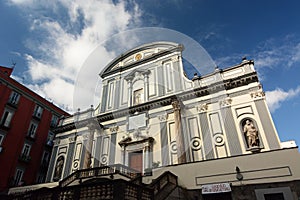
(38,111)
(46,157)
(32,129)
(14,98)
(18,177)
(54,121)
(1,140)
(26,150)
(41,178)
(6,118)
(50,138)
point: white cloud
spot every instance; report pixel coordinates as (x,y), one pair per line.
(276,97)
(60,43)
(274,52)
(296,55)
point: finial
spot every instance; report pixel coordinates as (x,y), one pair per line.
(217,68)
(195,76)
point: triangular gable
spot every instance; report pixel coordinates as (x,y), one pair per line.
(138,55)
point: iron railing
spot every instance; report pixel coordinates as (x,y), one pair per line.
(100,171)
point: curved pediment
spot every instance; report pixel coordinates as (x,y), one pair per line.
(139,55)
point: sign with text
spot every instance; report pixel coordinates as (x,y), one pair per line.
(216,188)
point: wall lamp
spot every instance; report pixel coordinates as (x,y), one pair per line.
(239,176)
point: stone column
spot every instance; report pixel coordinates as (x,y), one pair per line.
(178,132)
(147,157)
(129,84)
(89,146)
(146,86)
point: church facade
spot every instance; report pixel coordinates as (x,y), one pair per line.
(214,133)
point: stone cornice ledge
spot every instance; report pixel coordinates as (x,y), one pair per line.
(190,94)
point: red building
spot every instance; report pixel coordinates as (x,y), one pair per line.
(25,137)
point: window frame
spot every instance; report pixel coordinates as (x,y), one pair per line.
(27,153)
(31,133)
(18,178)
(2,136)
(50,138)
(6,119)
(14,98)
(46,157)
(54,121)
(38,111)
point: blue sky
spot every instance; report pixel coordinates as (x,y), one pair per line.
(49,41)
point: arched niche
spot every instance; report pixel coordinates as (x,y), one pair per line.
(251,134)
(58,168)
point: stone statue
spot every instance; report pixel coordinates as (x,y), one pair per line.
(251,134)
(138,98)
(58,168)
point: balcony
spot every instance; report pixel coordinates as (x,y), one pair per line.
(30,137)
(3,127)
(24,158)
(37,116)
(12,104)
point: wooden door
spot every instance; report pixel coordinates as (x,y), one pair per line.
(136,160)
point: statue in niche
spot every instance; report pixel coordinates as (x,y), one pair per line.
(251,134)
(58,168)
(138,96)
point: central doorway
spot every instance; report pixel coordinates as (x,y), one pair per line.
(136,160)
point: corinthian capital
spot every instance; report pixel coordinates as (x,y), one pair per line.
(202,108)
(257,94)
(176,105)
(225,102)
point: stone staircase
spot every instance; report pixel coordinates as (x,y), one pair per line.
(106,182)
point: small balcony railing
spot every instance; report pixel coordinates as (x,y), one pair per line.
(24,158)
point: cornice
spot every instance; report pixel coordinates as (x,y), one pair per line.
(183,96)
(31,95)
(110,71)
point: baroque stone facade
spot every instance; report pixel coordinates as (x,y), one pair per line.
(151,117)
